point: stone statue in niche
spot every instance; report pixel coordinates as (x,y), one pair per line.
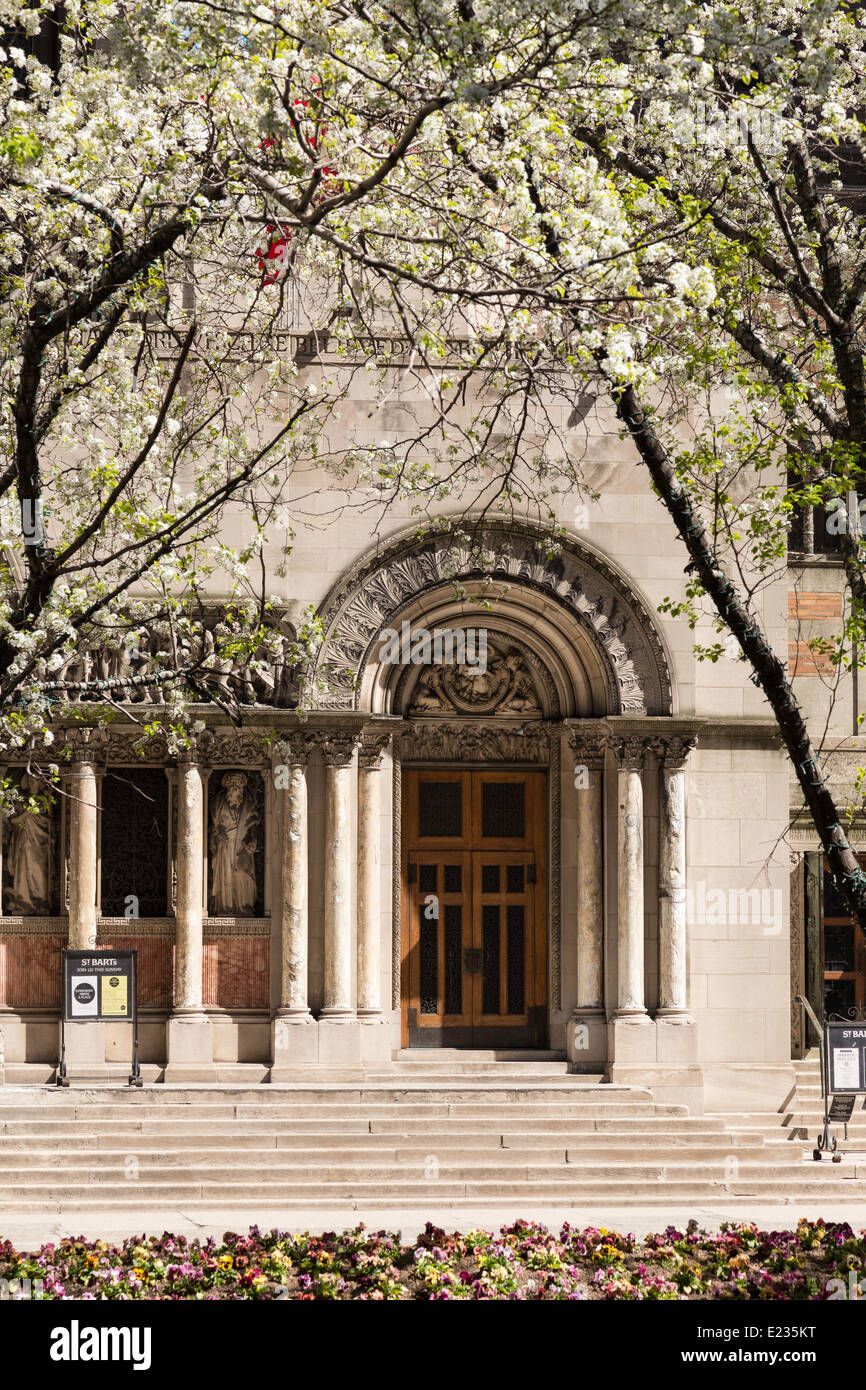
(28,857)
(233,842)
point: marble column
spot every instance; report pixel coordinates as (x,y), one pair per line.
(81,785)
(369,897)
(630,753)
(584,1039)
(85,1041)
(339,1038)
(673,754)
(375,1034)
(190,1043)
(293,1030)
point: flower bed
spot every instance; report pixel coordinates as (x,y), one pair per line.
(524,1261)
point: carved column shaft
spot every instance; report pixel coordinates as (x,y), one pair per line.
(673,944)
(369,905)
(630,888)
(589,784)
(189,908)
(82,786)
(293,877)
(337,751)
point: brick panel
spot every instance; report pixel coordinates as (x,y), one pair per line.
(236,973)
(814,607)
(803,662)
(30,971)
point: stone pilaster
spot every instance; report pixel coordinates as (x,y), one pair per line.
(293,1030)
(584,1033)
(189,1034)
(375,1032)
(339,1039)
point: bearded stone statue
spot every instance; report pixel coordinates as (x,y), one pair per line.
(233,843)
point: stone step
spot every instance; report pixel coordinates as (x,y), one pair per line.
(448,1056)
(259,1195)
(280,1158)
(502,1071)
(568,1166)
(498,1086)
(267,1141)
(458,1106)
(397,1097)
(369,1122)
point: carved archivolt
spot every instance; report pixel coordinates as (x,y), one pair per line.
(615,619)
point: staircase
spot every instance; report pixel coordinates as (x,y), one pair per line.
(461,1131)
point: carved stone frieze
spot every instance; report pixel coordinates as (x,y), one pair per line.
(616,620)
(137,665)
(468,742)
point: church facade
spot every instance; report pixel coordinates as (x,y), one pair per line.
(509,811)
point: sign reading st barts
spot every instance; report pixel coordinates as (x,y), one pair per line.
(98,986)
(846,1057)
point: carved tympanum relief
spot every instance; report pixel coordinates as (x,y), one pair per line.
(505,686)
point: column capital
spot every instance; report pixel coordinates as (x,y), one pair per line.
(673,752)
(87,745)
(196,750)
(338,747)
(587,748)
(294,749)
(372,749)
(630,752)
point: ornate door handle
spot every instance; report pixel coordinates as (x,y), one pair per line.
(472,960)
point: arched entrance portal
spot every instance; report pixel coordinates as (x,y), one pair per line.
(479,665)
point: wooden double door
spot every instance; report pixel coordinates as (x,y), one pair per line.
(474,904)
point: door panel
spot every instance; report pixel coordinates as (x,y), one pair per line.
(474,894)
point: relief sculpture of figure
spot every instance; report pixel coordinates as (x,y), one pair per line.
(28,857)
(233,838)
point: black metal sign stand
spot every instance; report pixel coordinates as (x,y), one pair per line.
(839,1088)
(97,964)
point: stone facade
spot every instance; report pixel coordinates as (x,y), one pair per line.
(279,844)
